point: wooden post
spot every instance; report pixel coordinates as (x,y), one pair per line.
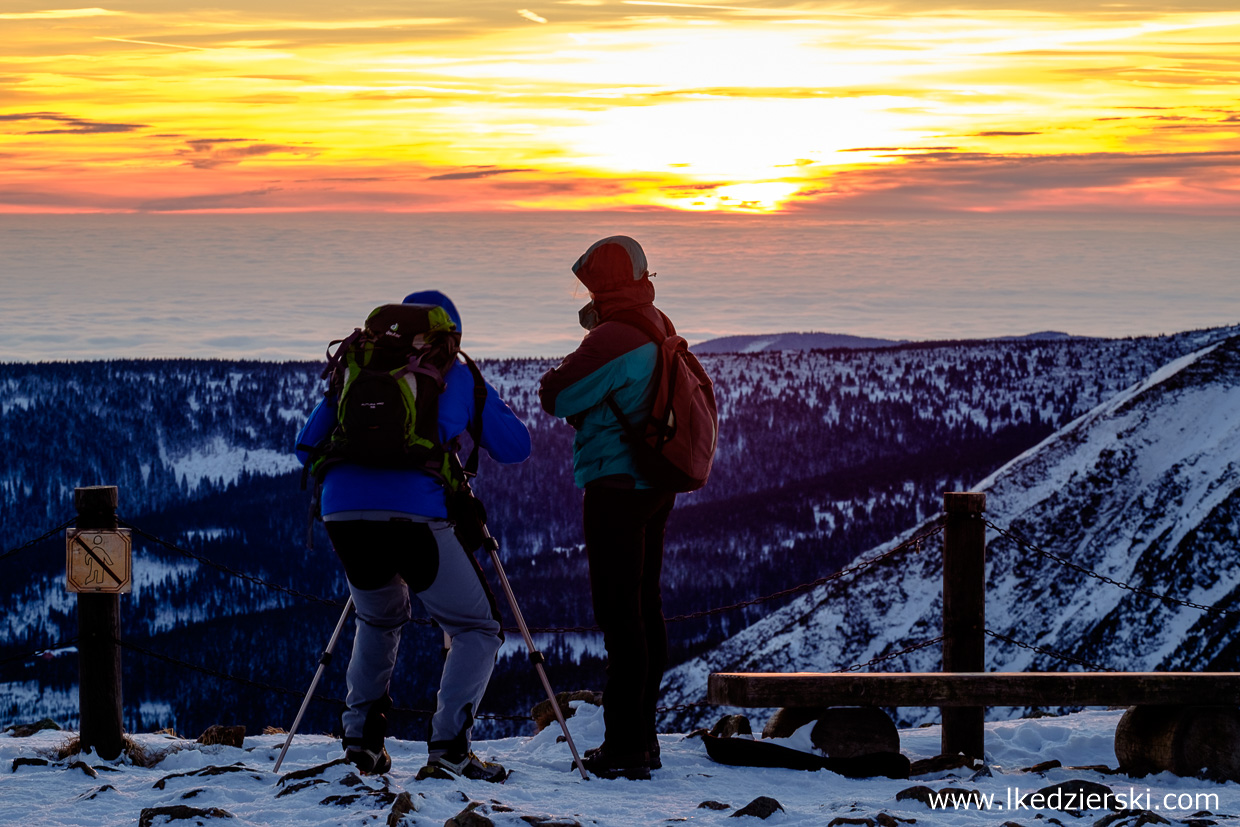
(99,629)
(964,613)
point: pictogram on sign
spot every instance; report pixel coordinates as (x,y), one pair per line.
(99,561)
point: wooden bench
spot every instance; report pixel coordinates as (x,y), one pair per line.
(1177,721)
(956,689)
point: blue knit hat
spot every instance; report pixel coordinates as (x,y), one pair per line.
(435,297)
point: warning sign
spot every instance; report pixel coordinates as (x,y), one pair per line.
(99,561)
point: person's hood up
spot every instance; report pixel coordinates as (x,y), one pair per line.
(435,297)
(612,264)
(614,270)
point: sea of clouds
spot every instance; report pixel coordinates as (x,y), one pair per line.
(281,286)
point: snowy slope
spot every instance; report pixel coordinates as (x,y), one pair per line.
(79,791)
(1144,489)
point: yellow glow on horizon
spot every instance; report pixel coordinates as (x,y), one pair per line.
(614,104)
(56,14)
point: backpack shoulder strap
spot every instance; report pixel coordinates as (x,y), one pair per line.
(634,319)
(475,424)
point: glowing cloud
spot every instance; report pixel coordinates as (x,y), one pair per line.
(56,14)
(633,104)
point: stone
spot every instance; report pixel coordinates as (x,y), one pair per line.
(401,807)
(761,807)
(26,730)
(206,772)
(179,812)
(1190,741)
(924,795)
(310,772)
(84,767)
(919,793)
(789,719)
(888,820)
(940,763)
(730,726)
(29,762)
(714,805)
(844,820)
(471,816)
(543,714)
(229,736)
(1131,818)
(1072,796)
(846,732)
(1043,767)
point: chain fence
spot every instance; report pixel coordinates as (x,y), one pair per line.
(13,552)
(1022,542)
(1041,650)
(282,690)
(915,544)
(64,644)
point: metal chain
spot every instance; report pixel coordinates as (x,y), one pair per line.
(18,549)
(1044,651)
(215,673)
(64,643)
(856,667)
(258,581)
(1016,538)
(683,707)
(914,543)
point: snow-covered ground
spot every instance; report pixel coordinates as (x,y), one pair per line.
(541,790)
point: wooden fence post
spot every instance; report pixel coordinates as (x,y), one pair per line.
(99,629)
(964,613)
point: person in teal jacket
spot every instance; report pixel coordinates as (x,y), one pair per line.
(389,527)
(624,513)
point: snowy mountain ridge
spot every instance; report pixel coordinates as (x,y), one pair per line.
(1144,489)
(860,445)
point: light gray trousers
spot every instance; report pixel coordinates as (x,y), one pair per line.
(459,603)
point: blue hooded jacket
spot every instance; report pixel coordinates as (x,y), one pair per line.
(352,487)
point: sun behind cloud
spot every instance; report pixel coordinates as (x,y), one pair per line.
(603,104)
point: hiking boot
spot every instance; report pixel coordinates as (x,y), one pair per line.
(652,751)
(605,763)
(368,761)
(470,766)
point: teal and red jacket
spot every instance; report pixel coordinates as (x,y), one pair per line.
(614,359)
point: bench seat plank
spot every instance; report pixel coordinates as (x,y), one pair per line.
(819,689)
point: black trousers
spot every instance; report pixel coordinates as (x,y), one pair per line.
(624,541)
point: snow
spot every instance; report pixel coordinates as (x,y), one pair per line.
(542,787)
(1143,489)
(219,461)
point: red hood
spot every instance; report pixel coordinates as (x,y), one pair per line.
(612,264)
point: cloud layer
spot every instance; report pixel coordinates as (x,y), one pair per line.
(621,104)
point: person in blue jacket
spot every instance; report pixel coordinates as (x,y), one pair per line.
(624,513)
(390,529)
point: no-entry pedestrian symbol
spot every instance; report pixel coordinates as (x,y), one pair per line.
(99,561)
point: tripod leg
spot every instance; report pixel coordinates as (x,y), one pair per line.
(324,659)
(536,656)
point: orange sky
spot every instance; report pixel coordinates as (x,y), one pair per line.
(586,104)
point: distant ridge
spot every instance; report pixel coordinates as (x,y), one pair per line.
(761,342)
(788,341)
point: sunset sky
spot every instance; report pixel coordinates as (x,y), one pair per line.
(978,105)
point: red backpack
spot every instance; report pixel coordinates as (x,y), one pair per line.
(675,445)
